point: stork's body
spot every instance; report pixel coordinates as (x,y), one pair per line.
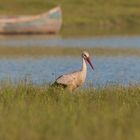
(74,79)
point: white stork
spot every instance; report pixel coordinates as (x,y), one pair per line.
(74,79)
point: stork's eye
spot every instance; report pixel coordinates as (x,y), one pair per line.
(85,55)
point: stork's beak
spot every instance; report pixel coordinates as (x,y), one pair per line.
(89,61)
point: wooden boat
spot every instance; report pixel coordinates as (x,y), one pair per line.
(49,22)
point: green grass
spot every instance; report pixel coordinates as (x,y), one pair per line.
(84,17)
(36,112)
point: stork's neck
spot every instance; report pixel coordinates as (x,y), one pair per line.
(84,68)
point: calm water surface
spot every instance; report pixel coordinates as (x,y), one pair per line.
(53,41)
(122,70)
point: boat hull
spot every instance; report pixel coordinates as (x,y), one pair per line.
(49,22)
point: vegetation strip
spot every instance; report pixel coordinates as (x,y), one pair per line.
(60,51)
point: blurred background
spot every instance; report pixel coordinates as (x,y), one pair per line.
(109,30)
(84,17)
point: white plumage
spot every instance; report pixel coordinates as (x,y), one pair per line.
(77,78)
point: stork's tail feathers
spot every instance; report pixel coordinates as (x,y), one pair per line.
(55,85)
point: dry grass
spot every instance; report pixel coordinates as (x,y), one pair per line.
(59,51)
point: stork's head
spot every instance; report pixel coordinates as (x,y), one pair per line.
(86,56)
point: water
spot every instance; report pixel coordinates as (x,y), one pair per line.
(51,41)
(122,70)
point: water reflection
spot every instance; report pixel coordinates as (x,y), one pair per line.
(122,70)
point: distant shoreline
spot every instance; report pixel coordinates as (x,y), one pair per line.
(86,17)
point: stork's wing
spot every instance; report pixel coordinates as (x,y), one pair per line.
(66,79)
